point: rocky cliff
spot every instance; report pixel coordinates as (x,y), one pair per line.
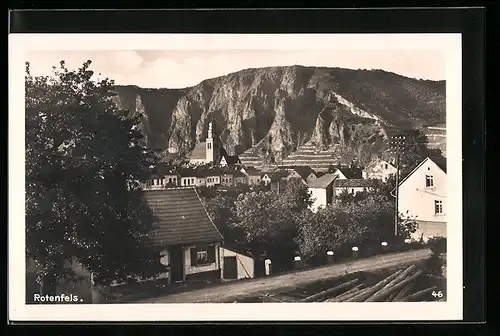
(272,111)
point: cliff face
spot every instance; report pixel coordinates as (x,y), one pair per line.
(274,110)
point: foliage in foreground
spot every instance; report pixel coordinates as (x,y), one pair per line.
(84,163)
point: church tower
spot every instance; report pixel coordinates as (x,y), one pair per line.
(212,151)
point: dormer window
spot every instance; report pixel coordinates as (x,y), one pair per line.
(429,181)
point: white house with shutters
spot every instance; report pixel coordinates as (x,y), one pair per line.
(380,170)
(422,195)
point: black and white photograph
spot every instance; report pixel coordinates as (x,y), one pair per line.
(248,172)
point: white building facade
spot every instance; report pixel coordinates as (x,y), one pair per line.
(422,196)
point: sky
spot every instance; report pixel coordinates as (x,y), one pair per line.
(184,68)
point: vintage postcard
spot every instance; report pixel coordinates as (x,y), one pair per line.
(245,177)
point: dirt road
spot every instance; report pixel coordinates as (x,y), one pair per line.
(247,288)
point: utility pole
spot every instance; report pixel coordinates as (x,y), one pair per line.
(396,146)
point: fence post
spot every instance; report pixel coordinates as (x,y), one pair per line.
(355,252)
(330,257)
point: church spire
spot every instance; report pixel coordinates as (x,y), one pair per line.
(210,130)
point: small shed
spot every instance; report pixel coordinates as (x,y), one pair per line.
(235,264)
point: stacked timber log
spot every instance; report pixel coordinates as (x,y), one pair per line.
(400,286)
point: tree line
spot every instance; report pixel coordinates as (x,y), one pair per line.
(280,226)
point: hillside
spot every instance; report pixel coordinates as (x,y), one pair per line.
(269,112)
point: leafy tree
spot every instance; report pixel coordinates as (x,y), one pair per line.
(84,165)
(261,186)
(344,224)
(270,220)
(415,149)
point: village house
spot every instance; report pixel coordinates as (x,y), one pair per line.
(190,177)
(227,178)
(351,186)
(266,178)
(305,173)
(229,160)
(321,190)
(422,196)
(252,174)
(164,176)
(211,151)
(187,241)
(279,179)
(184,235)
(213,177)
(239,177)
(380,170)
(348,172)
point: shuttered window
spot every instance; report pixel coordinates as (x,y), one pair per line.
(202,255)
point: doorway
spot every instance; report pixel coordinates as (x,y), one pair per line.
(176,264)
(230,268)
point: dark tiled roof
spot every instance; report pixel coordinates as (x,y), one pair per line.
(353,183)
(323,181)
(278,175)
(252,171)
(164,169)
(352,173)
(181,218)
(303,171)
(237,173)
(232,159)
(193,172)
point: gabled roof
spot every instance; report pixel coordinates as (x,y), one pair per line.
(303,171)
(252,171)
(232,159)
(377,162)
(237,173)
(416,168)
(323,181)
(352,173)
(278,175)
(180,218)
(353,183)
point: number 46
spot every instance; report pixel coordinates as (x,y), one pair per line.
(438,294)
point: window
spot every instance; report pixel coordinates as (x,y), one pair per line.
(429,180)
(192,181)
(209,145)
(438,207)
(386,166)
(169,180)
(184,182)
(202,255)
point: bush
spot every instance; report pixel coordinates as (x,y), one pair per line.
(437,245)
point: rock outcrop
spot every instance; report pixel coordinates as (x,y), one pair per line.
(269,113)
